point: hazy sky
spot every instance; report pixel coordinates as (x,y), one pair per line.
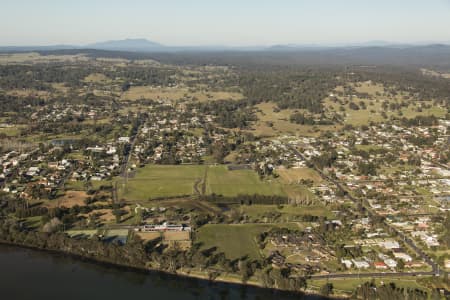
(223,22)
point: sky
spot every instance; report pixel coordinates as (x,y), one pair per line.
(224,22)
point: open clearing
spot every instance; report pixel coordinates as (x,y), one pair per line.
(173,94)
(97,78)
(235,240)
(271,123)
(294,175)
(350,284)
(33,57)
(374,108)
(11,130)
(69,199)
(158,181)
(28,93)
(148,236)
(177,236)
(232,183)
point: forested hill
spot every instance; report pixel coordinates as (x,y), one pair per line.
(431,55)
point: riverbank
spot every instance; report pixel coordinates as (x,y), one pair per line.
(182,275)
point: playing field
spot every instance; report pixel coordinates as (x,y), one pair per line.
(157,181)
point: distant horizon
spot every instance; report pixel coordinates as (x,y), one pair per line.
(322,44)
(203,23)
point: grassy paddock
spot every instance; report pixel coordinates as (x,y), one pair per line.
(232,183)
(158,181)
(173,94)
(234,240)
(294,175)
(350,284)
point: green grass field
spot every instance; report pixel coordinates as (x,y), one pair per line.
(350,284)
(11,131)
(234,240)
(156,181)
(232,183)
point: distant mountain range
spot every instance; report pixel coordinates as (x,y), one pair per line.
(144,45)
(137,45)
(370,53)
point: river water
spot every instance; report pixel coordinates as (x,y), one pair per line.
(36,275)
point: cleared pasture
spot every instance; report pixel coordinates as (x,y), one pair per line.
(177,93)
(221,181)
(159,181)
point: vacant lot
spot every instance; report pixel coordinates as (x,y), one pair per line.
(69,199)
(177,236)
(148,236)
(295,175)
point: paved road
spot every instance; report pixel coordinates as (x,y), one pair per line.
(124,166)
(371,213)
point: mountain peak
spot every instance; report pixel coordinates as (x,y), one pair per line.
(136,44)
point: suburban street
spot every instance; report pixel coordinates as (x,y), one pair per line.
(407,240)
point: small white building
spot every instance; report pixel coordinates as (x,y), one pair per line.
(348,263)
(390,263)
(403,256)
(390,244)
(361,264)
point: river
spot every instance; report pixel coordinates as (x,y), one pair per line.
(36,275)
